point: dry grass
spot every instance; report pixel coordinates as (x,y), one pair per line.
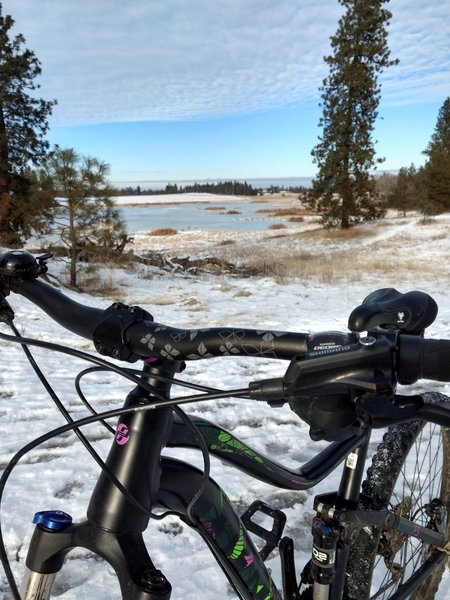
(294,214)
(283,212)
(277,226)
(331,268)
(336,234)
(242,294)
(163,231)
(288,212)
(301,265)
(95,284)
(313,255)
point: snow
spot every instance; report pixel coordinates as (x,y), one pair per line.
(60,475)
(182,198)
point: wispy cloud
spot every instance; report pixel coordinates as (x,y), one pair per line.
(115,61)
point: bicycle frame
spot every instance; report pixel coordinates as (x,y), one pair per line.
(114,525)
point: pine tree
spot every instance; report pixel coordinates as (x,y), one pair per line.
(345,155)
(436,172)
(23,124)
(405,194)
(88,226)
(441,135)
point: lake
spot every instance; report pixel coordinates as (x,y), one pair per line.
(229,216)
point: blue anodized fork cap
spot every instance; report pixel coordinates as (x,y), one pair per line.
(52,519)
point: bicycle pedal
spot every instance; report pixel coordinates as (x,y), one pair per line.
(272,536)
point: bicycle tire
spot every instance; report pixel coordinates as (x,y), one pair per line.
(410,467)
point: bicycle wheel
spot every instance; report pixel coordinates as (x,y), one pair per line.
(410,474)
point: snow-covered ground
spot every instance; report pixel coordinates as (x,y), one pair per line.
(61,475)
(174,198)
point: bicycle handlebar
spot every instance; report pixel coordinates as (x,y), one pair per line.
(73,316)
(338,383)
(129,333)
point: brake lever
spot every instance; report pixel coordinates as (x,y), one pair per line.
(382,411)
(42,261)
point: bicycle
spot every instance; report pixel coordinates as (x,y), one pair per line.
(343,385)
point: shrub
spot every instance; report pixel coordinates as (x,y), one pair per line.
(277,226)
(163,231)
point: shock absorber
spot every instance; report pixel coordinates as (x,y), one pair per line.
(325,539)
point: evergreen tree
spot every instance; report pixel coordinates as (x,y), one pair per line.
(345,155)
(441,135)
(404,195)
(87,225)
(23,124)
(384,185)
(436,172)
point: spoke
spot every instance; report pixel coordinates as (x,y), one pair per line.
(420,480)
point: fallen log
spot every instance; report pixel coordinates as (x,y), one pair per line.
(194,266)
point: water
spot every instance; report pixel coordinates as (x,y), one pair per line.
(201,216)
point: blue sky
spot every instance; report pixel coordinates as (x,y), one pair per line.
(194,89)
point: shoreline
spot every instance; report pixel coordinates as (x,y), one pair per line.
(308,235)
(197,198)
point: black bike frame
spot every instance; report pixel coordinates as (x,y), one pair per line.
(115,522)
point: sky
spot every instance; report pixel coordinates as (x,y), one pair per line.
(197,89)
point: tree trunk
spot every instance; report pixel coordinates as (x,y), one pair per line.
(6,200)
(73,247)
(345,216)
(347,196)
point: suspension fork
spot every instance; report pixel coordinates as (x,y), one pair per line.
(139,579)
(330,554)
(114,526)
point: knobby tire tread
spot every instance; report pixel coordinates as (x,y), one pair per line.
(377,490)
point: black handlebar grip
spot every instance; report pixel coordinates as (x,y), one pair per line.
(422,359)
(435,360)
(78,318)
